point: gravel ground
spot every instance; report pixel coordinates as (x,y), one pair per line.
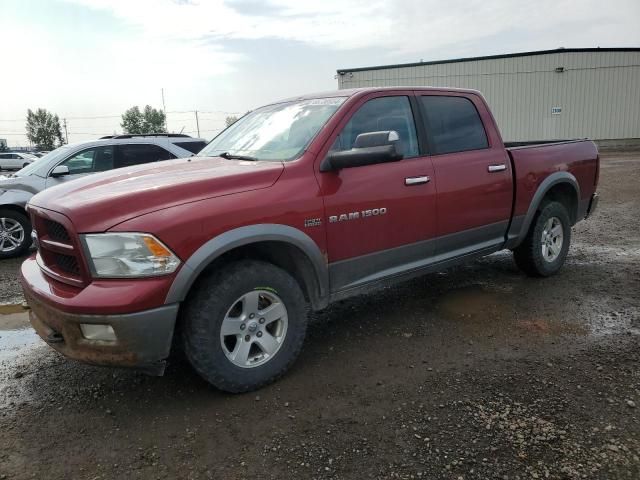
(477,372)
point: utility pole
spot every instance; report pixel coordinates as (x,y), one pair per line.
(164,109)
(197,123)
(66,133)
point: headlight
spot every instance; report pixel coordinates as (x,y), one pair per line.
(117,255)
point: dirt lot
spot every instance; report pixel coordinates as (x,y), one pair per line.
(477,372)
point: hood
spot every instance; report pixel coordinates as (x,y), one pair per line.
(27,184)
(98,202)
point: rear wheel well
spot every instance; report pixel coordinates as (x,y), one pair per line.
(281,254)
(565,194)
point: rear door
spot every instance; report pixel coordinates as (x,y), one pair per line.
(5,160)
(473,172)
(380,219)
(11,161)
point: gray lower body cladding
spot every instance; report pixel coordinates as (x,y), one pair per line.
(143,338)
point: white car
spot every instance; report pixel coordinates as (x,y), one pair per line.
(15,160)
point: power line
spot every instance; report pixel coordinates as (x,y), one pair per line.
(96,117)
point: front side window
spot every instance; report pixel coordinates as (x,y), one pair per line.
(277,132)
(97,159)
(139,153)
(38,167)
(453,124)
(382,114)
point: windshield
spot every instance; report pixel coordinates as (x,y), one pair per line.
(275,132)
(38,162)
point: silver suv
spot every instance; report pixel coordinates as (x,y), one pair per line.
(74,161)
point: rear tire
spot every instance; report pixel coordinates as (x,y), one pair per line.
(544,250)
(244,325)
(15,233)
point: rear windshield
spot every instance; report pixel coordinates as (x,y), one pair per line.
(277,132)
(193,147)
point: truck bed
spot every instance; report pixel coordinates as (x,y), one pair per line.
(533,162)
(534,143)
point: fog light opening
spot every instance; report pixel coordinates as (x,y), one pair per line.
(94,331)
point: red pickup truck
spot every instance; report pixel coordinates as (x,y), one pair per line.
(298,204)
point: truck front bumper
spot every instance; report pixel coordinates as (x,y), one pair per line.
(141,340)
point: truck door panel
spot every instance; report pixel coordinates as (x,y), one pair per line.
(473,172)
(382,216)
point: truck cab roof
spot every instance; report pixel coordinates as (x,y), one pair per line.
(351,92)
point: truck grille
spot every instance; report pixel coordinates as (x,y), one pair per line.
(66,263)
(57,231)
(59,251)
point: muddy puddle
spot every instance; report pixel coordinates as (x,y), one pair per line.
(484,311)
(16,335)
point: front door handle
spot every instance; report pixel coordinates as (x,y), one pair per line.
(497,168)
(409,181)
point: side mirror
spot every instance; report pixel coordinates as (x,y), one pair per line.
(368,149)
(59,171)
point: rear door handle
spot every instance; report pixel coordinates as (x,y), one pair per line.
(497,168)
(409,181)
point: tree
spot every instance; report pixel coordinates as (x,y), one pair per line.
(3,145)
(230,120)
(43,129)
(150,121)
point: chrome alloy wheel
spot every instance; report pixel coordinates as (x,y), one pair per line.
(11,235)
(552,239)
(254,328)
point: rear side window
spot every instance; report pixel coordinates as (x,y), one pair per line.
(139,153)
(379,114)
(193,147)
(453,124)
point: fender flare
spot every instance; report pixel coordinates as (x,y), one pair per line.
(241,236)
(15,198)
(518,229)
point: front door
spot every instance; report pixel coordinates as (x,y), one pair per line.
(380,219)
(91,160)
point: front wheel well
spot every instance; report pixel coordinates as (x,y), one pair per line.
(15,208)
(281,254)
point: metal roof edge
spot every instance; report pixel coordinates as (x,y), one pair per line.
(342,71)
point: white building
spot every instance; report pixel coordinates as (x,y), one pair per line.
(542,95)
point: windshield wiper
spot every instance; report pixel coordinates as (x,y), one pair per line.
(231,156)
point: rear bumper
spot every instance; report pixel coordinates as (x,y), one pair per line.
(143,339)
(593,205)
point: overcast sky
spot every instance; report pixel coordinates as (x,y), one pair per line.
(96,58)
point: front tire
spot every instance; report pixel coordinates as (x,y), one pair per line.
(545,248)
(15,233)
(244,325)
